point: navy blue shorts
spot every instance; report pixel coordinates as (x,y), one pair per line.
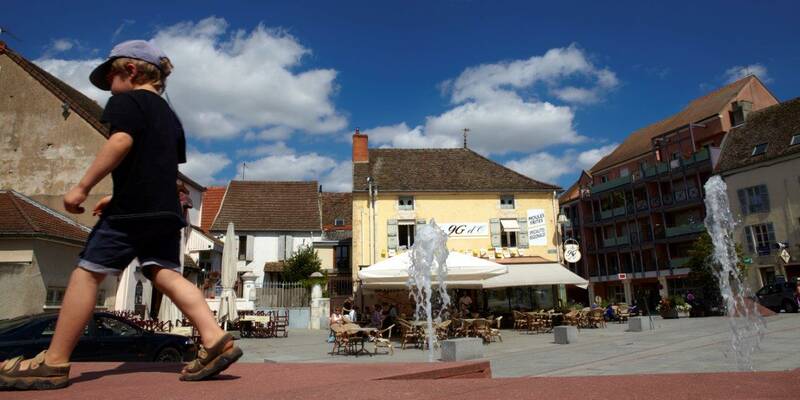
(113,245)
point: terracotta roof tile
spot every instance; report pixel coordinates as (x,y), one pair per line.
(212,200)
(639,142)
(445,170)
(21,216)
(270,206)
(773,125)
(336,205)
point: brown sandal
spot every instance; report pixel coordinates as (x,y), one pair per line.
(213,360)
(38,376)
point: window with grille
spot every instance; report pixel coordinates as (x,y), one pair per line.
(338,222)
(55,295)
(405,202)
(760,238)
(507,202)
(754,199)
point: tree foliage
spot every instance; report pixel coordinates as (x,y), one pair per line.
(703,277)
(301,265)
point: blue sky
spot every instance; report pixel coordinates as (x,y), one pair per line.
(546,89)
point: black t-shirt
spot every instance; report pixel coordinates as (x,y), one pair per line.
(145,181)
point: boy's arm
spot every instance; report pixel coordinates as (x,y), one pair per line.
(109,156)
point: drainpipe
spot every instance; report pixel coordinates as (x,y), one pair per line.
(371,218)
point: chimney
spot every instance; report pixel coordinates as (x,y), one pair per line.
(360,148)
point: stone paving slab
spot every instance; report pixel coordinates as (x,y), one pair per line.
(354,382)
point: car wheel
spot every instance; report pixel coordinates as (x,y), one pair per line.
(789,307)
(169,355)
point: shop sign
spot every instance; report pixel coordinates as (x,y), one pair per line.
(622,277)
(572,253)
(537,227)
(785,256)
(456,230)
(747,260)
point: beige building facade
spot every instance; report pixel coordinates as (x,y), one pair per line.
(760,164)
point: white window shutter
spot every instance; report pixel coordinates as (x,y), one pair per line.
(250,243)
(494,230)
(289,246)
(391,234)
(281,247)
(522,235)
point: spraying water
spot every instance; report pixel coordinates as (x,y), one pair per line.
(429,257)
(747,325)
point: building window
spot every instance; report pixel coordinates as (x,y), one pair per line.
(242,247)
(341,253)
(604,179)
(795,140)
(617,293)
(338,222)
(754,199)
(138,294)
(760,238)
(676,155)
(509,229)
(405,233)
(507,202)
(405,202)
(624,172)
(760,148)
(55,295)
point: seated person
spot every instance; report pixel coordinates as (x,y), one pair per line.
(377,317)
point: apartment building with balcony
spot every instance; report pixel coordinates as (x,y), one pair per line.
(637,212)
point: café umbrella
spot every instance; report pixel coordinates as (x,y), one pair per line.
(227,302)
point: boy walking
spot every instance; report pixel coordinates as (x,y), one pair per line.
(142,219)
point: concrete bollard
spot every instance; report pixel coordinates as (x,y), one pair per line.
(462,349)
(565,334)
(638,324)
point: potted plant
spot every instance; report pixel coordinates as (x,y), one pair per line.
(666,309)
(684,310)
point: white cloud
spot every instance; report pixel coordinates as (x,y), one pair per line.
(496,102)
(273,149)
(401,136)
(60,45)
(204,167)
(490,81)
(76,74)
(332,174)
(339,179)
(227,84)
(502,126)
(546,167)
(740,71)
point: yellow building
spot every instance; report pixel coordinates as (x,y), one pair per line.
(489,210)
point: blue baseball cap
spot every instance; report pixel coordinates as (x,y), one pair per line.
(138,49)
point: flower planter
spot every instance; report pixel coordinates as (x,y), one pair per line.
(669,314)
(683,314)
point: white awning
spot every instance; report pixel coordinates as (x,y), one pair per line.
(510,225)
(535,275)
(394,270)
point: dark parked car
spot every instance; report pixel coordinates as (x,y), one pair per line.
(107,337)
(779,296)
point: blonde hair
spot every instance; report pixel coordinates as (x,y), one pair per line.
(146,72)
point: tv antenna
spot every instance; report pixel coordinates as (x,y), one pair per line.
(5,31)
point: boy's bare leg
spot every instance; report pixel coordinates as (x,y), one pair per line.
(190,301)
(76,309)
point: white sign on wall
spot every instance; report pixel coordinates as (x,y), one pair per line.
(458,230)
(537,227)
